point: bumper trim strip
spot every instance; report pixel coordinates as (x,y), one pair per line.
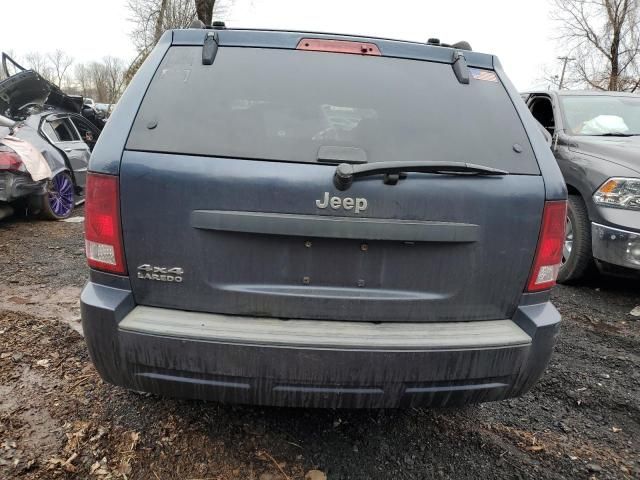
(323,334)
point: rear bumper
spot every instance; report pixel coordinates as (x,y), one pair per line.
(314,364)
(616,246)
(14,186)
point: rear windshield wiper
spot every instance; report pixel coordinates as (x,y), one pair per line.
(345,172)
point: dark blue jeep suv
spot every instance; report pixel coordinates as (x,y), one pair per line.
(310,219)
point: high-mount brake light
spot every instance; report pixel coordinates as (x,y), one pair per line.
(103,233)
(338,46)
(549,251)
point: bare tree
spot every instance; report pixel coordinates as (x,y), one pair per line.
(99,81)
(60,63)
(82,77)
(114,75)
(204,9)
(102,80)
(152,17)
(552,75)
(36,61)
(603,37)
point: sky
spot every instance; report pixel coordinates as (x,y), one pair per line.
(519,32)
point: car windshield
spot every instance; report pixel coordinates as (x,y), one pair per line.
(602,115)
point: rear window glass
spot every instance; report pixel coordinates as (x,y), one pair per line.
(287,104)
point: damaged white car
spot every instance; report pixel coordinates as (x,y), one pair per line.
(45,144)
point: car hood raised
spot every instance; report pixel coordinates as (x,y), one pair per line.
(22,89)
(29,88)
(623,151)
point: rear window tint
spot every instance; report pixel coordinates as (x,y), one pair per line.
(287,104)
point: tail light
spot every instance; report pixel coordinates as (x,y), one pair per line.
(11,161)
(103,233)
(549,252)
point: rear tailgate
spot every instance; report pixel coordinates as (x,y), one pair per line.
(225,207)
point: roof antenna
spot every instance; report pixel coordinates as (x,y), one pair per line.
(197,23)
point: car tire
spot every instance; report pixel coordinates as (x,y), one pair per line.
(578,260)
(59,201)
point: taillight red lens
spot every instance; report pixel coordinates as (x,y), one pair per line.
(338,46)
(549,252)
(10,161)
(103,235)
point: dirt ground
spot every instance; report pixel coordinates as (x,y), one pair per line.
(59,420)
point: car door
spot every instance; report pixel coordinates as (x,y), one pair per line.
(61,131)
(542,109)
(88,131)
(546,111)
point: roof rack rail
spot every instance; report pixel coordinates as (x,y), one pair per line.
(218,25)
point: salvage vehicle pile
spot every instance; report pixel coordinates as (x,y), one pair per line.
(46,138)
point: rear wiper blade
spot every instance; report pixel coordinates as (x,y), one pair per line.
(345,172)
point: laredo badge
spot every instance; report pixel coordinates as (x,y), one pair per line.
(160,274)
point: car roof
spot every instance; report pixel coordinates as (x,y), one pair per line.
(38,114)
(287,39)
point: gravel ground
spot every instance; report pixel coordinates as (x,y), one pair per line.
(59,420)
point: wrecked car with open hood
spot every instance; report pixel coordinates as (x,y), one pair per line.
(45,144)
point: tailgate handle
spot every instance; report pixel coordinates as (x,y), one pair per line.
(324,226)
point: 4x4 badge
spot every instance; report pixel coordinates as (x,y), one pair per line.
(160,274)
